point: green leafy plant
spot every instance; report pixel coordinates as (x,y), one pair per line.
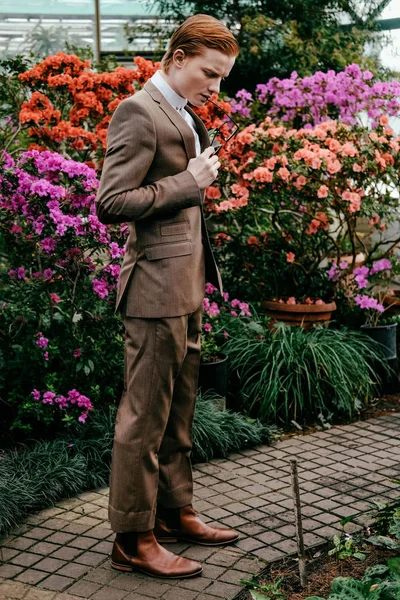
(266,591)
(292,374)
(380,582)
(345,546)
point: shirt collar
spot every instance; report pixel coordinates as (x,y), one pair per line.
(169,94)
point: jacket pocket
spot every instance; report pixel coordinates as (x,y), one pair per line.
(168,250)
(174,228)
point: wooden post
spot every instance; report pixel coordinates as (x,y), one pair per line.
(298,524)
(97,53)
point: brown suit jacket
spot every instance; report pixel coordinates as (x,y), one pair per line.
(145,183)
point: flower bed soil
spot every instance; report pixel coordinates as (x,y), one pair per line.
(322,570)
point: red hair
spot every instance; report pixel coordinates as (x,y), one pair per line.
(197,33)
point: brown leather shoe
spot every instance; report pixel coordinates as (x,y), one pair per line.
(144,554)
(175,524)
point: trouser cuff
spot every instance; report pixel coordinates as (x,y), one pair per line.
(134,521)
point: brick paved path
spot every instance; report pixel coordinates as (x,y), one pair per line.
(62,553)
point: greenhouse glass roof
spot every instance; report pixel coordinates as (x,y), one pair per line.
(75,7)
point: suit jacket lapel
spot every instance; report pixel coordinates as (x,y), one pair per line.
(201,129)
(179,122)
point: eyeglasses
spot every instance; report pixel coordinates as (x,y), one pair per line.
(224,132)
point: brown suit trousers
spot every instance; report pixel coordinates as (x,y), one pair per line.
(152,444)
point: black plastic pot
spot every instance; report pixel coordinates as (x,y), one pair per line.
(384,335)
(213,376)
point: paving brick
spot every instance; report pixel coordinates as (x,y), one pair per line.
(8,571)
(180,594)
(31,576)
(344,511)
(223,558)
(44,548)
(127,582)
(237,507)
(199,553)
(221,589)
(221,500)
(286,546)
(58,583)
(7,553)
(108,593)
(84,589)
(82,542)
(44,595)
(54,524)
(253,515)
(38,533)
(327,504)
(270,537)
(25,559)
(233,576)
(100,575)
(251,529)
(92,559)
(198,584)
(20,543)
(328,532)
(234,521)
(267,553)
(66,553)
(60,538)
(218,513)
(249,544)
(73,570)
(50,564)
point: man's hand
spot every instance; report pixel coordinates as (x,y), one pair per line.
(204,168)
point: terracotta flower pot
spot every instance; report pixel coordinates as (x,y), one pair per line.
(300,315)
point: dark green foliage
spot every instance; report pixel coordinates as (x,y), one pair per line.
(36,476)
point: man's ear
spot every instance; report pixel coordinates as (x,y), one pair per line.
(179,57)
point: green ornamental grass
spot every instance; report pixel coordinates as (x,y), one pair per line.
(292,374)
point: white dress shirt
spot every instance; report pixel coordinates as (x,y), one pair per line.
(178,103)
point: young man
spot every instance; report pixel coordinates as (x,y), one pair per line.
(157,166)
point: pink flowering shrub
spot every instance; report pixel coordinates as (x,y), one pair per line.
(366,286)
(289,202)
(321,97)
(220,314)
(61,343)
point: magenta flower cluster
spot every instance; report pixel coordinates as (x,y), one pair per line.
(48,201)
(322,96)
(73,398)
(211,308)
(361,275)
(60,250)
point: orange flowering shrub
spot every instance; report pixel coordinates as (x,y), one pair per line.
(69,106)
(290,200)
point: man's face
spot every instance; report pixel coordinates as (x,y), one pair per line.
(198,77)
